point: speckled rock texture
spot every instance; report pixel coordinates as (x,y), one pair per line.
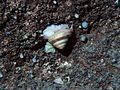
(90,65)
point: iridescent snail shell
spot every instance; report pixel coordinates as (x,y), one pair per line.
(59,37)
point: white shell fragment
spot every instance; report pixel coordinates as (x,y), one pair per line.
(49,48)
(58,35)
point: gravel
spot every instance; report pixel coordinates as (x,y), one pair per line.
(92,65)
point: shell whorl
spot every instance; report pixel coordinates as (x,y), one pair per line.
(59,39)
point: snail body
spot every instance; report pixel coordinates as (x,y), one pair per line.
(58,35)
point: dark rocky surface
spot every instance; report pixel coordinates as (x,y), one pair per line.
(91,65)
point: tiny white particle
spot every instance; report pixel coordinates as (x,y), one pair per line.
(36,42)
(55,2)
(76,15)
(25,37)
(29,13)
(102,60)
(15,17)
(79,27)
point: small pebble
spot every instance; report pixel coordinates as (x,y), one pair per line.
(80,26)
(58,81)
(83,38)
(36,42)
(7,33)
(21,55)
(102,60)
(85,24)
(15,17)
(34,59)
(25,37)
(76,16)
(54,2)
(1,75)
(31,75)
(29,13)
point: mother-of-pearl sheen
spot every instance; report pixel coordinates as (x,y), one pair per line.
(59,35)
(61,43)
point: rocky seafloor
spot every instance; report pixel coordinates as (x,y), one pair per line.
(90,65)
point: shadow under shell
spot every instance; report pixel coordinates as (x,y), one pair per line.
(69,46)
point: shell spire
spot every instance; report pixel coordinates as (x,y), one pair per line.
(58,35)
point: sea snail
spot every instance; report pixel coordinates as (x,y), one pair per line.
(58,35)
